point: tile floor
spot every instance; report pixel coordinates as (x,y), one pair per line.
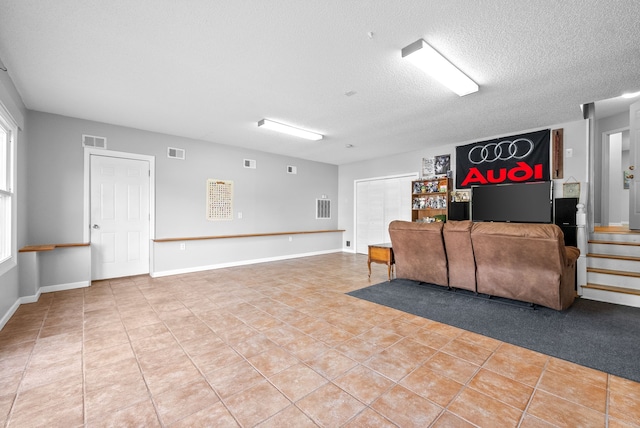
(279,345)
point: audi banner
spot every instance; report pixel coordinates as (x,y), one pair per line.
(514,159)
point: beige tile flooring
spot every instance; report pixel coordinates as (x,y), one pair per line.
(279,345)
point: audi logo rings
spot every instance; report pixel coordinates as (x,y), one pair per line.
(504,150)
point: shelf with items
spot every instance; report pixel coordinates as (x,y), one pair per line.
(430,199)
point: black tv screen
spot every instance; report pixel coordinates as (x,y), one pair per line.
(518,203)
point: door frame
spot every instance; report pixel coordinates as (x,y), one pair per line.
(604,174)
(88,152)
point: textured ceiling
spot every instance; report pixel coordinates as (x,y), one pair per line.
(210,70)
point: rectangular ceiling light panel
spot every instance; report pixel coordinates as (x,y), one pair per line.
(286,129)
(437,66)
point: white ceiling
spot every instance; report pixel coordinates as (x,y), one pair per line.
(210,70)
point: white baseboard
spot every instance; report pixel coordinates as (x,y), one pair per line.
(30,299)
(52,288)
(63,287)
(7,316)
(34,298)
(239,263)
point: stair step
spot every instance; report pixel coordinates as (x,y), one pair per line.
(615,237)
(613,289)
(598,241)
(614,272)
(611,256)
(615,250)
(616,230)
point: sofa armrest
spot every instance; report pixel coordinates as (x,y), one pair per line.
(568,280)
(571,254)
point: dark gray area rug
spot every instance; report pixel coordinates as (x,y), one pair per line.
(594,334)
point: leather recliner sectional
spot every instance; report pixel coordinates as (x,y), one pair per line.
(520,261)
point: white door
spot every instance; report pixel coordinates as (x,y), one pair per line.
(634,155)
(362,216)
(378,203)
(119,217)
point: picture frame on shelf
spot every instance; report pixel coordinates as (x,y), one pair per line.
(461,196)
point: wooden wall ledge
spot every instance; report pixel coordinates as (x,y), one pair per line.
(49,247)
(247,235)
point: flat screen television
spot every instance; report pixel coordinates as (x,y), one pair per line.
(518,203)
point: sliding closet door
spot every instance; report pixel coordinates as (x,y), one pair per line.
(365,200)
(378,203)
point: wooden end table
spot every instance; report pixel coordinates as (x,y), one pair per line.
(381,253)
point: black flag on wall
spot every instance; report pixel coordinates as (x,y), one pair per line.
(514,159)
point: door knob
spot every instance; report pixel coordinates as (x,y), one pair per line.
(630,176)
(95,226)
(632,167)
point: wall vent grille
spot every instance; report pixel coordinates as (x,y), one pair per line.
(94,141)
(174,153)
(249,163)
(323,208)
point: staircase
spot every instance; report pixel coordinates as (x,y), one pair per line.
(613,267)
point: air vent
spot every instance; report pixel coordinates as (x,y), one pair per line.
(174,153)
(250,163)
(292,169)
(323,208)
(94,141)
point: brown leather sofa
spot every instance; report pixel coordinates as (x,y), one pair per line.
(527,262)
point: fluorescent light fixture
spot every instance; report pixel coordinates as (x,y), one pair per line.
(286,129)
(630,95)
(437,66)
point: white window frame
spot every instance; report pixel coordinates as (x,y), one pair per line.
(9,124)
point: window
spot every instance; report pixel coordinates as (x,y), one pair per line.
(8,130)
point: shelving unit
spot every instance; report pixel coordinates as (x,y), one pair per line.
(430,199)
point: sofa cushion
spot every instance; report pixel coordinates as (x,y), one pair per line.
(419,252)
(457,240)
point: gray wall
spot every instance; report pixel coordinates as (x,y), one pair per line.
(575,137)
(270,199)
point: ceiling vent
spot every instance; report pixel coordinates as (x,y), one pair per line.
(174,153)
(323,208)
(292,169)
(93,141)
(250,163)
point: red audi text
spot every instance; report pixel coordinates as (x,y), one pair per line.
(522,172)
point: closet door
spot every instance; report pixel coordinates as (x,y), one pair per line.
(369,214)
(397,202)
(378,203)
